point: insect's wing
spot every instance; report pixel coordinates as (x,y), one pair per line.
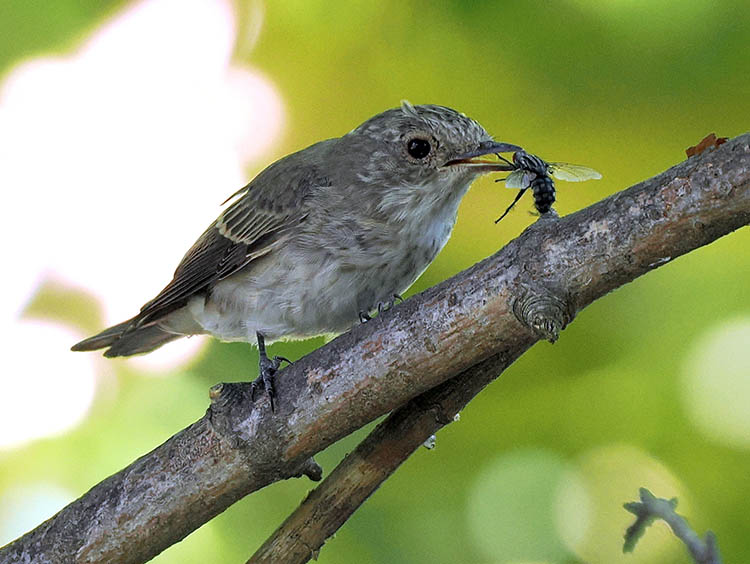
(519,179)
(572,172)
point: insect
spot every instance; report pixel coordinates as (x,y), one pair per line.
(533,173)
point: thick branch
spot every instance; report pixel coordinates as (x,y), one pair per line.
(538,281)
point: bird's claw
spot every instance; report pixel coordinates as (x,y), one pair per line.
(268,369)
(364,316)
(385,306)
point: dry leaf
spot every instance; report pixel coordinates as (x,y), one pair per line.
(708,141)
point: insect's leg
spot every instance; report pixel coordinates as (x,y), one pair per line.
(510,207)
(502,158)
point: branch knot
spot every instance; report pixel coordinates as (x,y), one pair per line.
(542,310)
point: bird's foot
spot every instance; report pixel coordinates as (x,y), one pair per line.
(268,367)
(385,306)
(364,316)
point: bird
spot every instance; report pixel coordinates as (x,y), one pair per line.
(320,238)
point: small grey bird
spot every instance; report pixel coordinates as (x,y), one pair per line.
(320,238)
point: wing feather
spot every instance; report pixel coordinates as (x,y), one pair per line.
(249,228)
(223,249)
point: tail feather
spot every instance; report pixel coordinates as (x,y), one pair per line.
(124,340)
(103,339)
(141,340)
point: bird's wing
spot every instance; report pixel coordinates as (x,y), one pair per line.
(249,228)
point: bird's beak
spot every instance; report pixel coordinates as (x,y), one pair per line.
(474,160)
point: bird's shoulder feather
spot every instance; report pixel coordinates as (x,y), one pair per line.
(262,218)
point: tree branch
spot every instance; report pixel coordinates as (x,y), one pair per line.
(327,507)
(529,290)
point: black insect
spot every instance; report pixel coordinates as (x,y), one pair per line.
(533,173)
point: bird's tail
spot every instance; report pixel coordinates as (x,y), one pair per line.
(124,339)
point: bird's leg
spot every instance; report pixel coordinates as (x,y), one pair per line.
(268,367)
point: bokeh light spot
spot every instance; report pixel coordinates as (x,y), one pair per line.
(177,353)
(511,507)
(572,508)
(120,152)
(716,383)
(46,388)
(611,476)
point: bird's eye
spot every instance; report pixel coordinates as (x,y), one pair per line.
(418,148)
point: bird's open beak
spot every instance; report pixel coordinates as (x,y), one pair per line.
(474,160)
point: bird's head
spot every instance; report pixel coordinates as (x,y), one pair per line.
(423,145)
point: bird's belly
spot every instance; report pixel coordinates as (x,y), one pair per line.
(294,297)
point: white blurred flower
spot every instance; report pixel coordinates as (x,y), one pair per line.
(46,389)
(115,158)
(716,383)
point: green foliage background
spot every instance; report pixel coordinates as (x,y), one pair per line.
(621,86)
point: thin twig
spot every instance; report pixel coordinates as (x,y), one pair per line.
(651,508)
